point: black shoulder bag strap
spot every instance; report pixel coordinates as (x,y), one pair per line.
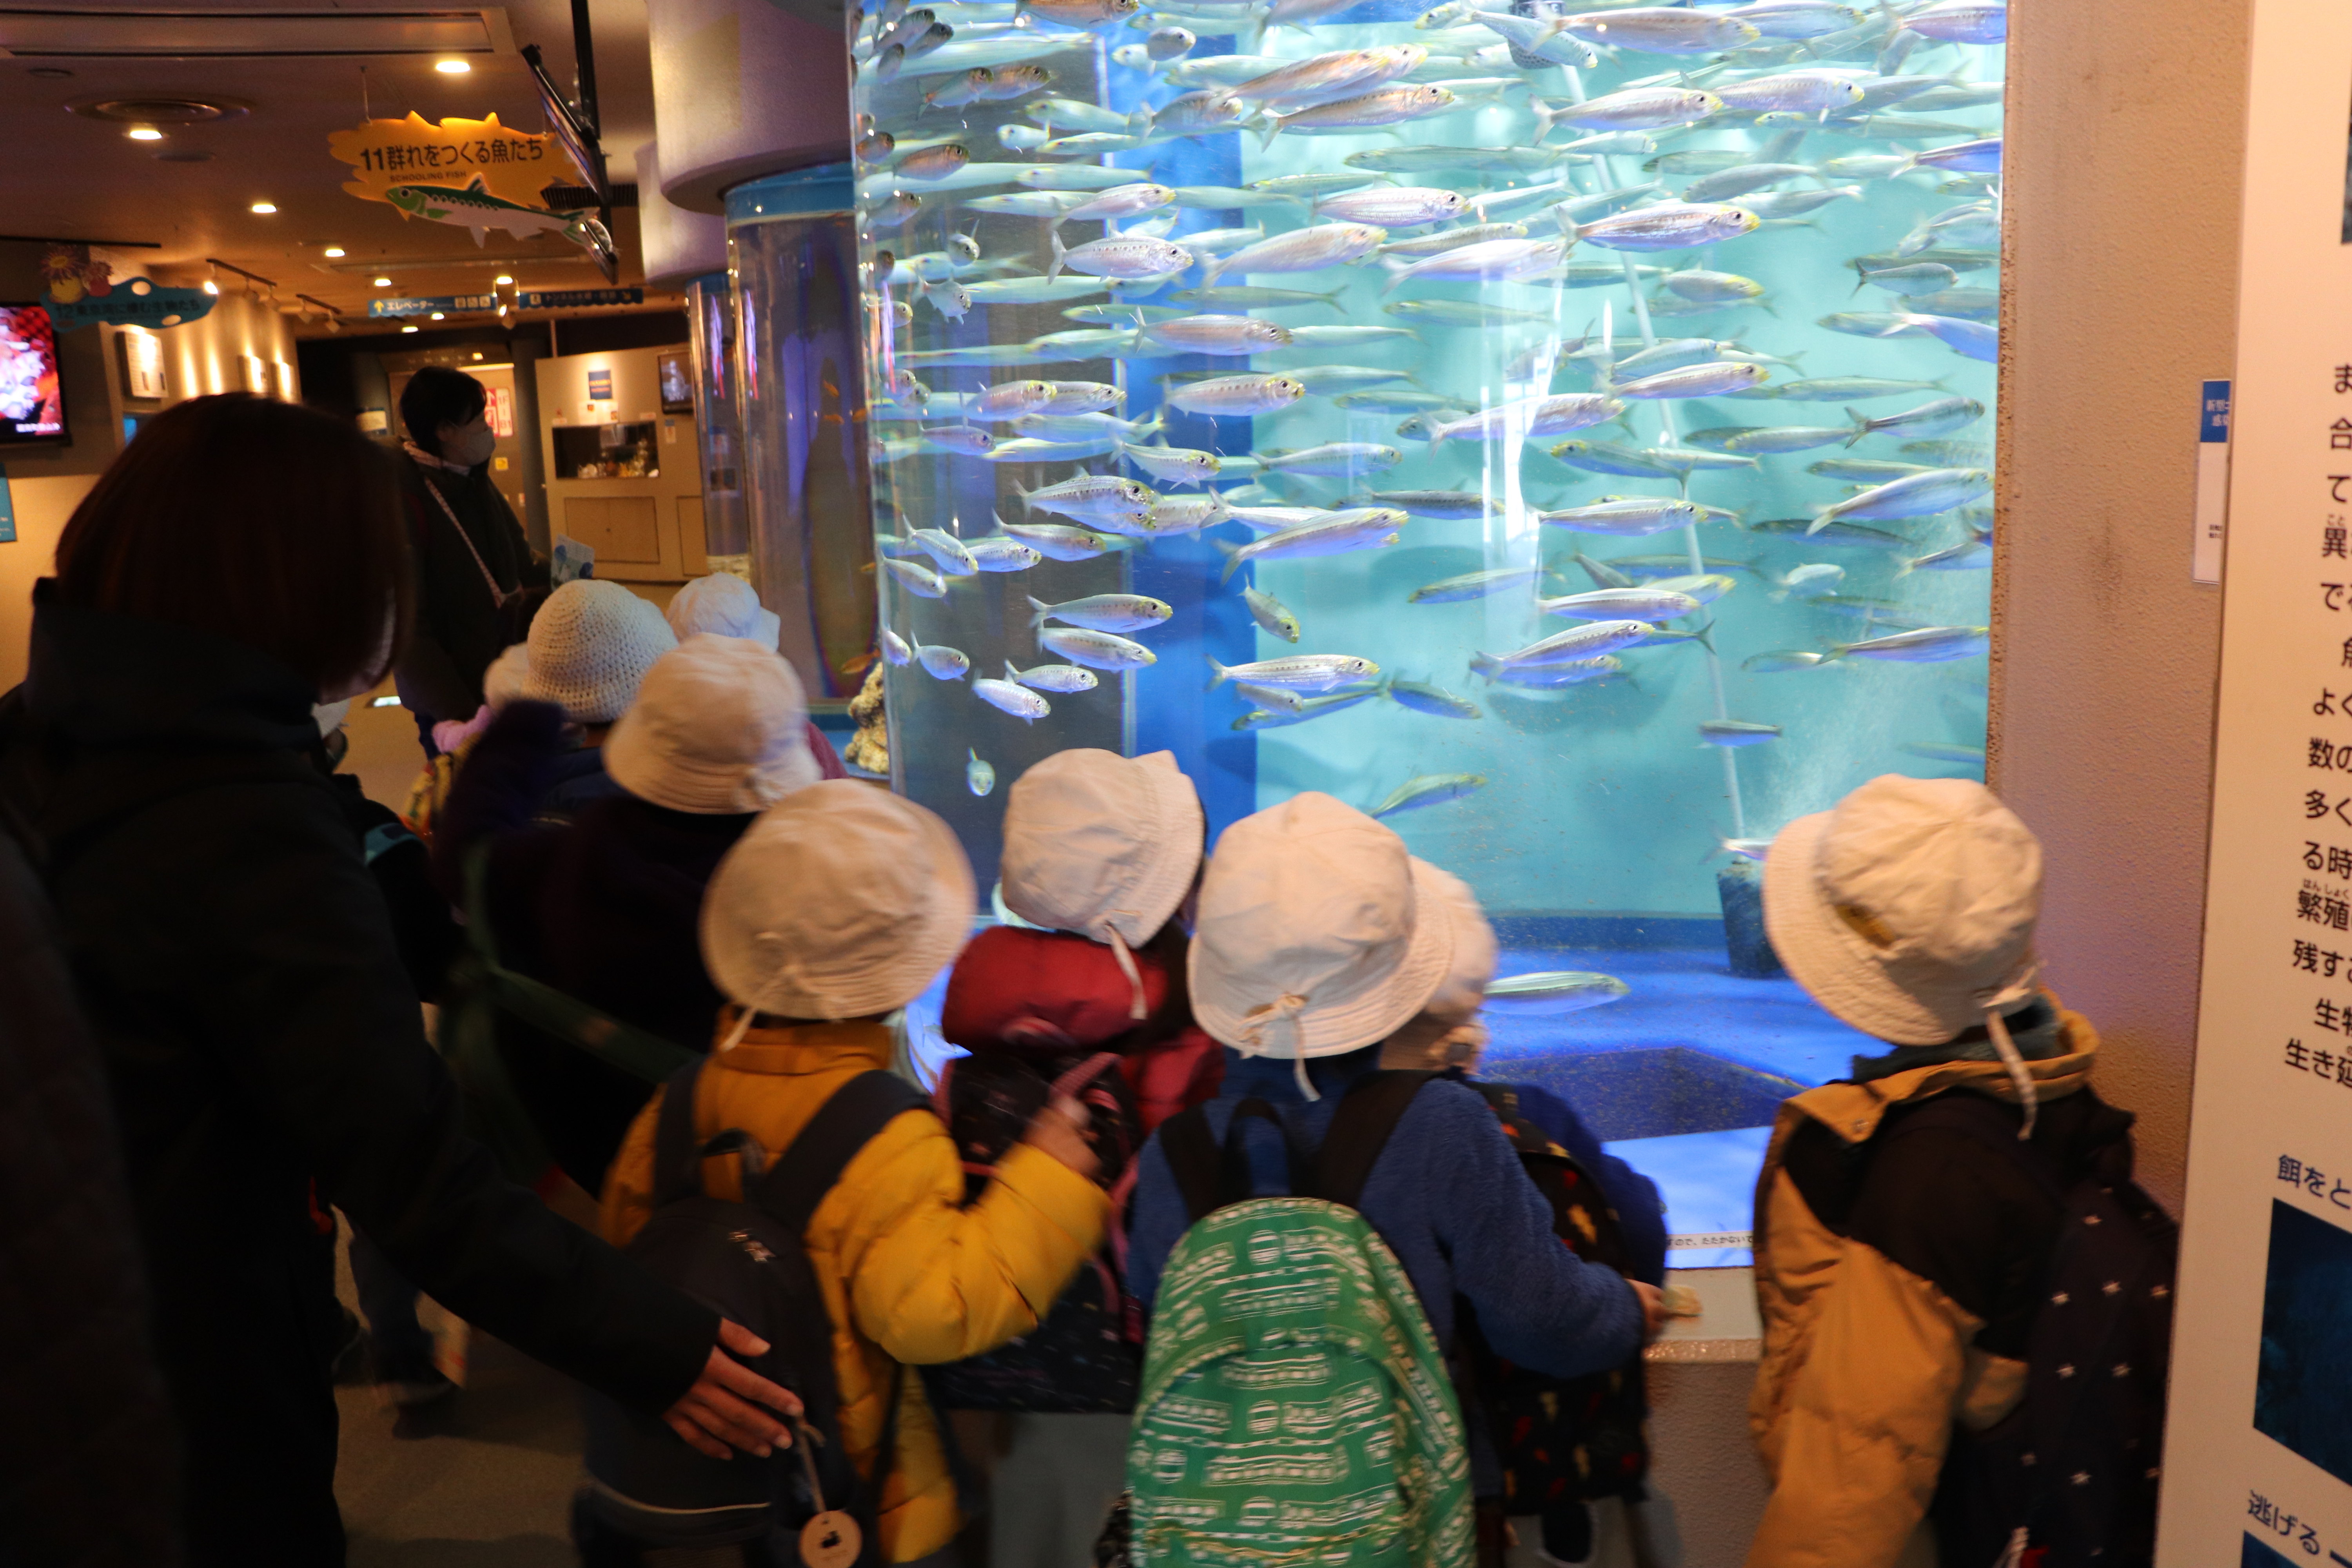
(842,1126)
(1370,1111)
(677,1154)
(809,1169)
(1211,1176)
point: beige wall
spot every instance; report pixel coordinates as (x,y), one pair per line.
(206,356)
(2126,141)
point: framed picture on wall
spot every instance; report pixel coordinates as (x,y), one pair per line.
(676,382)
(142,364)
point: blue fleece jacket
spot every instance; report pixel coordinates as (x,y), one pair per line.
(1447,1195)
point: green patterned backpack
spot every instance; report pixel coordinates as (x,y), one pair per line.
(1295,1409)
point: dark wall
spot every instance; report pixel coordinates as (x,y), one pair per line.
(332,379)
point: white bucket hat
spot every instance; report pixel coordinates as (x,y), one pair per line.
(725,604)
(1909,909)
(590,645)
(718,726)
(502,682)
(1104,846)
(842,900)
(1318,934)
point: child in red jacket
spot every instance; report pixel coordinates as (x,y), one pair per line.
(1088,996)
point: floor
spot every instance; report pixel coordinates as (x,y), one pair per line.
(484,1479)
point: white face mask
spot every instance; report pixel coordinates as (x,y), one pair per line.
(467,445)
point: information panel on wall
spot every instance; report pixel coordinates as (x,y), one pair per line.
(2258,1462)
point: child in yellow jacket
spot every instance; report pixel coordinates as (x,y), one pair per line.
(837,907)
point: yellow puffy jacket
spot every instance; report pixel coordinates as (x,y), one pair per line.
(1867,1366)
(908,1272)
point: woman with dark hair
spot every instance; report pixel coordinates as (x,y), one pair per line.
(474,571)
(240,561)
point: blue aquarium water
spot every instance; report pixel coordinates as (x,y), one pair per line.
(1713,249)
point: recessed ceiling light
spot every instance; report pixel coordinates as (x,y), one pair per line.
(263,208)
(501,280)
(408,329)
(452,68)
(333,250)
(478,353)
(211,287)
(144,133)
(383,283)
(437,316)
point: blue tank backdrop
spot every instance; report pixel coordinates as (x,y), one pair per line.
(1567,437)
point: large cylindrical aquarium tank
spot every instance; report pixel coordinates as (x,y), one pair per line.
(1565,435)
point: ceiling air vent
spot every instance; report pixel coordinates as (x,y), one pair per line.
(154,110)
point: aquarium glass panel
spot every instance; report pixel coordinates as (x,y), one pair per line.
(1565,435)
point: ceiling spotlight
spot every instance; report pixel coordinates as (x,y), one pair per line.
(211,287)
(144,133)
(502,309)
(408,329)
(383,283)
(478,353)
(332,250)
(437,316)
(452,67)
(263,208)
(503,281)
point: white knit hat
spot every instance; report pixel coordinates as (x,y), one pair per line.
(502,682)
(718,726)
(590,644)
(1318,934)
(842,899)
(725,604)
(1101,845)
(1909,910)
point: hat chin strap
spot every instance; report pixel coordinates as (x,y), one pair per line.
(1993,1002)
(1136,1009)
(1288,1009)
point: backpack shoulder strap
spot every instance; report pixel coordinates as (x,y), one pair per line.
(1193,1158)
(1982,1122)
(1210,1174)
(1360,1129)
(845,1123)
(677,1154)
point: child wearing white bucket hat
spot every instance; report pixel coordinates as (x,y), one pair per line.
(839,906)
(725,604)
(1318,939)
(606,906)
(1906,1219)
(1101,853)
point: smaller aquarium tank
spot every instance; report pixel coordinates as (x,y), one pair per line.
(1564,433)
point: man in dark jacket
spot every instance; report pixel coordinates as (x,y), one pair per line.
(89,1463)
(473,567)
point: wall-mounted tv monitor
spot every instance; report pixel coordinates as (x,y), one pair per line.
(32,398)
(676,382)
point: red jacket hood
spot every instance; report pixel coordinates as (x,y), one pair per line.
(1042,992)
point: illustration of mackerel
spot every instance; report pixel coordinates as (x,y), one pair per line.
(473,207)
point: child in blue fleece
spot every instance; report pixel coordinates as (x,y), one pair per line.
(1318,939)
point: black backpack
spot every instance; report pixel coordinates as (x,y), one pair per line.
(2070,1475)
(646,1488)
(1563,1441)
(1086,1354)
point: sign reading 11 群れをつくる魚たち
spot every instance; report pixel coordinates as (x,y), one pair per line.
(2258,1462)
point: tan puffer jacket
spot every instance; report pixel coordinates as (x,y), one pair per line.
(1868,1365)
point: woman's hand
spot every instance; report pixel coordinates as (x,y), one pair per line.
(452,735)
(719,1409)
(1060,1131)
